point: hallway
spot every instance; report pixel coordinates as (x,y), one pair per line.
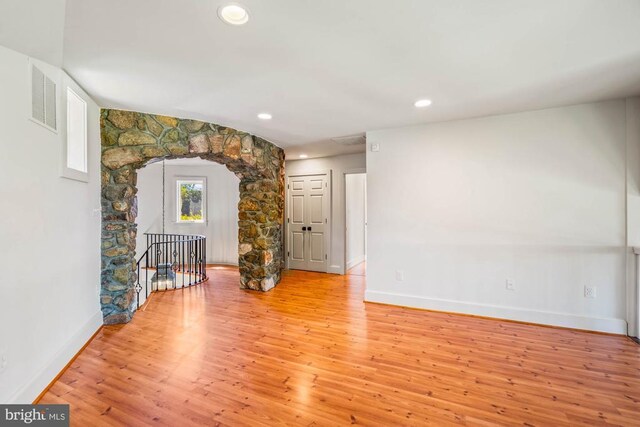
(311,352)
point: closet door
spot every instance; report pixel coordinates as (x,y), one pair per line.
(307,222)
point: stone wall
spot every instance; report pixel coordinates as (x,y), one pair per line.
(131,140)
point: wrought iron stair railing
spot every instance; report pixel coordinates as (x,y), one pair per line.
(171,261)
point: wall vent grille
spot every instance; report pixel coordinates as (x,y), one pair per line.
(350,140)
(43,99)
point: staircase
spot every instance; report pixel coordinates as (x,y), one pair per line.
(171,261)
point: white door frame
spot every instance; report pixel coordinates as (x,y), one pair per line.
(328,206)
(344,203)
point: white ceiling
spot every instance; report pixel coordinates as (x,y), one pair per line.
(332,68)
(33,27)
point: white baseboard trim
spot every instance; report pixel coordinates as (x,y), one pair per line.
(357,260)
(335,269)
(32,389)
(230,264)
(599,324)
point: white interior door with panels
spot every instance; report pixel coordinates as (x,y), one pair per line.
(308,222)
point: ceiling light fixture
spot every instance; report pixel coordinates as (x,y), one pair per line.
(264,116)
(303,156)
(422,103)
(233,14)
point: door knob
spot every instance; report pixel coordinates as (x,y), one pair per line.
(304,228)
(309,228)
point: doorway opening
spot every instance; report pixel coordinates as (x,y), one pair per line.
(356,224)
(185,206)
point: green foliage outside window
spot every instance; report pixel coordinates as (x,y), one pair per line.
(191,201)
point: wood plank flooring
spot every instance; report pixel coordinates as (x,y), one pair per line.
(310,352)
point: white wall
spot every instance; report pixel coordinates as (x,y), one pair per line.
(633,213)
(34,27)
(355,192)
(49,240)
(223,195)
(537,198)
(337,166)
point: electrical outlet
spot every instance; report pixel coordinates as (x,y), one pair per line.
(589,291)
(399,275)
(509,285)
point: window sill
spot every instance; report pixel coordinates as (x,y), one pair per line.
(74,175)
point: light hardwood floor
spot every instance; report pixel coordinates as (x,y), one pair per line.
(310,352)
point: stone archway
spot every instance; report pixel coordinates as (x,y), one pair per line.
(130,140)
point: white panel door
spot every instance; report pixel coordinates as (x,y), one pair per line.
(307,222)
(297,250)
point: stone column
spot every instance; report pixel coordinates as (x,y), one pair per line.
(119,210)
(261,211)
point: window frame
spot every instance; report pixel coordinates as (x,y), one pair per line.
(67,172)
(178,206)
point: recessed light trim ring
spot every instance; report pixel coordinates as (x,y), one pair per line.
(421,103)
(233,14)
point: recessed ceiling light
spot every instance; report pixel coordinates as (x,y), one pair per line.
(303,156)
(264,116)
(422,103)
(233,13)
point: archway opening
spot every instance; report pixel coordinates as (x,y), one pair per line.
(187,220)
(131,140)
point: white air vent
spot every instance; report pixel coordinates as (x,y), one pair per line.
(350,140)
(43,99)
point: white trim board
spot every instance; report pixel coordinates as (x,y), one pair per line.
(335,269)
(41,379)
(357,260)
(351,171)
(566,320)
